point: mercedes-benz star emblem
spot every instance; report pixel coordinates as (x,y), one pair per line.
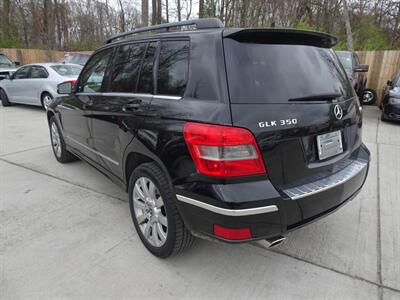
(338,111)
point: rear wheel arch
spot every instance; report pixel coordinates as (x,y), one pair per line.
(135,159)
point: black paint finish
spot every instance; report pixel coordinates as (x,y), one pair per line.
(115,132)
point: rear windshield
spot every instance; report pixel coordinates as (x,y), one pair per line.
(278,73)
(65,70)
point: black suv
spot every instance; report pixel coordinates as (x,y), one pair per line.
(236,135)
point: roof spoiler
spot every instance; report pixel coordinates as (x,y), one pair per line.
(282,36)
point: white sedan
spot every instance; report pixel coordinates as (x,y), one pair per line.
(36,84)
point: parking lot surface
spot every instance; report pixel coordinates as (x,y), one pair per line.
(66,232)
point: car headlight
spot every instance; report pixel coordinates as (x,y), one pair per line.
(394,100)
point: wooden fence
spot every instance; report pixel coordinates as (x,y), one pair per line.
(28,56)
(382,64)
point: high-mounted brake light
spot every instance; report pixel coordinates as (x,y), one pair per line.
(223,151)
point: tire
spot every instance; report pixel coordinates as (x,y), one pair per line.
(368,97)
(4,98)
(46,99)
(159,213)
(58,144)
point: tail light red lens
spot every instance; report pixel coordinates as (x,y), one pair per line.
(223,151)
(232,233)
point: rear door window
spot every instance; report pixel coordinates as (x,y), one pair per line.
(126,70)
(278,73)
(38,72)
(173,68)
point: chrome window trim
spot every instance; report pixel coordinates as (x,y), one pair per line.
(226,211)
(118,94)
(327,183)
(166,97)
(92,150)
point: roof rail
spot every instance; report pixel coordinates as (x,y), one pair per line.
(206,23)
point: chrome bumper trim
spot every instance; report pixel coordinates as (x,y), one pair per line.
(328,182)
(229,212)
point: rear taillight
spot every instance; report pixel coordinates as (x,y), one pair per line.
(223,151)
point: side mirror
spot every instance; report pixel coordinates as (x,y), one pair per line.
(361,68)
(17,63)
(65,88)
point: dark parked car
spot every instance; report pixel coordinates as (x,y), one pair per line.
(7,67)
(356,73)
(237,135)
(391,100)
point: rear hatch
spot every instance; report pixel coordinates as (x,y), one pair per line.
(289,89)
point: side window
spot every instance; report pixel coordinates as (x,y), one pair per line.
(38,72)
(92,76)
(356,60)
(22,73)
(173,68)
(146,84)
(125,73)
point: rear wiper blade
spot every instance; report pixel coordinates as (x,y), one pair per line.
(319,97)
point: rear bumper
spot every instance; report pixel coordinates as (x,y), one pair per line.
(270,213)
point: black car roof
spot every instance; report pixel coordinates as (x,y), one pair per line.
(259,35)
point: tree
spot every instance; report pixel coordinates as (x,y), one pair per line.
(349,34)
(145,12)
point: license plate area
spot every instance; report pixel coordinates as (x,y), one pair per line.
(329,144)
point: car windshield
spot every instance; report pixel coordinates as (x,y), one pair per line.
(66,70)
(4,60)
(77,59)
(345,59)
(278,73)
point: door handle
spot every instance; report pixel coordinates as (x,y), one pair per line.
(134,105)
(87,104)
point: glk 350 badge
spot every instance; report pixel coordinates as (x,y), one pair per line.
(276,123)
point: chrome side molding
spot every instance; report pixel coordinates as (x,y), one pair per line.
(226,211)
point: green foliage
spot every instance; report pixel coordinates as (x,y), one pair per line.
(306,26)
(369,37)
(84,45)
(9,41)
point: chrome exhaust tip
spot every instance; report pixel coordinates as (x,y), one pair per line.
(270,243)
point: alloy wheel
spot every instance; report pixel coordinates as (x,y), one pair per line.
(367,96)
(55,140)
(47,100)
(150,211)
